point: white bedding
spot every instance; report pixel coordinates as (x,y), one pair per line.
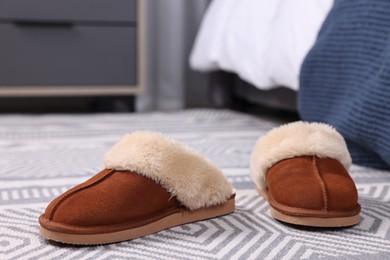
(263,41)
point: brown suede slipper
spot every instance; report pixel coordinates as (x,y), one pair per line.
(150,183)
(301,169)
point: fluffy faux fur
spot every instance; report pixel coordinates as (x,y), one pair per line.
(180,170)
(296,139)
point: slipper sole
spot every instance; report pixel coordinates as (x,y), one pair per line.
(310,220)
(176,219)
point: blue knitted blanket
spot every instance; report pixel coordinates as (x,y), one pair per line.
(345,78)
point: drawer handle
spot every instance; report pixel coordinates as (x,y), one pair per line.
(38,23)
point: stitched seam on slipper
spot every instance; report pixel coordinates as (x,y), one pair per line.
(153,218)
(76,191)
(160,215)
(295,210)
(321,181)
(306,212)
(277,205)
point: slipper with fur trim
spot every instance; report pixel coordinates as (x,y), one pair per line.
(301,169)
(150,183)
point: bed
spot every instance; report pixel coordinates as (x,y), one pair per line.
(255,49)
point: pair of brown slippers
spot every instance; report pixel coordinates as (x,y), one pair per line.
(151,183)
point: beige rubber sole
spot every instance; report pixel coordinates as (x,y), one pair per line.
(164,223)
(312,221)
(316,222)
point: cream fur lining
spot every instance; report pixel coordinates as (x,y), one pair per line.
(180,170)
(296,139)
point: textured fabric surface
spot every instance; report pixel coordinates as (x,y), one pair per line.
(42,156)
(345,78)
(264,42)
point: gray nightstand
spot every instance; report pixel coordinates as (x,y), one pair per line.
(57,48)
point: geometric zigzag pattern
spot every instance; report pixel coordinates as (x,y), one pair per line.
(42,156)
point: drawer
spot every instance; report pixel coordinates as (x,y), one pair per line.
(74,55)
(68,10)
